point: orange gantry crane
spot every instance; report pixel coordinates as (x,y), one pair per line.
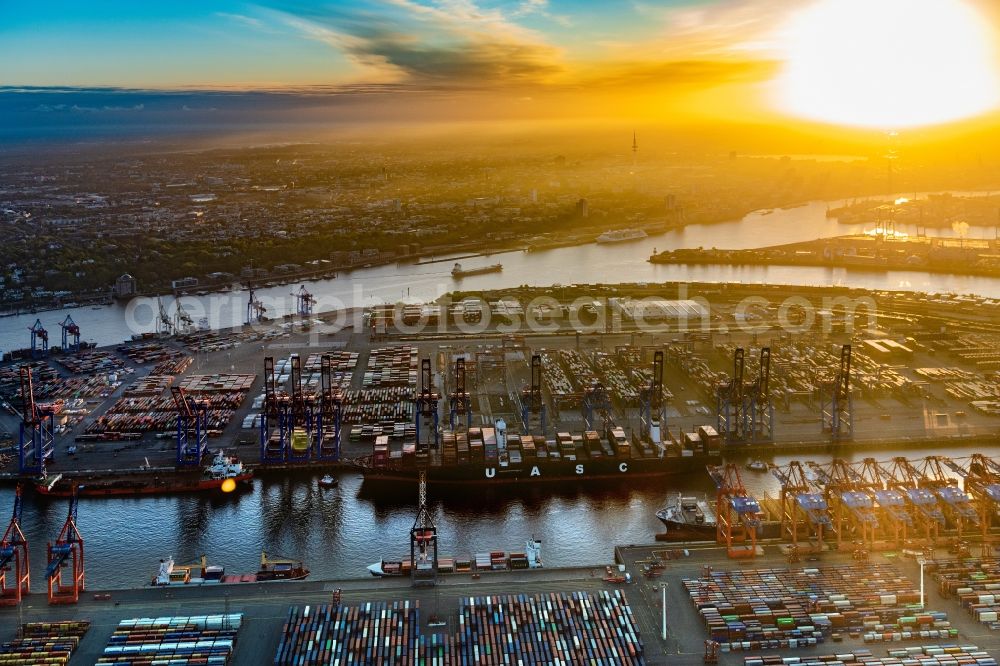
(802,508)
(891,508)
(852,507)
(65,570)
(15,574)
(737,513)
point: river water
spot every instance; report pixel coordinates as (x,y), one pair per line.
(338,532)
(592,263)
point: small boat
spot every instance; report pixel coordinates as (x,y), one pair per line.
(328,481)
(757,466)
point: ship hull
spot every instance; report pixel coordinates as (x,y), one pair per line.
(138,486)
(586,471)
(679,531)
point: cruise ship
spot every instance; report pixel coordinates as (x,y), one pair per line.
(621,235)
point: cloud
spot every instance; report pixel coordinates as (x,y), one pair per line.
(453,42)
(247,21)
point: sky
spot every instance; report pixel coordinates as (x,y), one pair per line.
(428,59)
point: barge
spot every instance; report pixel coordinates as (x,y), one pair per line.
(226,474)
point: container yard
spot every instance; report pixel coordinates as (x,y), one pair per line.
(180,640)
(44,643)
(829,611)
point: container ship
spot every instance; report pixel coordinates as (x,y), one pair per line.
(202,573)
(621,235)
(458,272)
(223,468)
(490,455)
(688,517)
(494,560)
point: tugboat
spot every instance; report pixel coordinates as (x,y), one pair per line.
(757,466)
(328,481)
(688,517)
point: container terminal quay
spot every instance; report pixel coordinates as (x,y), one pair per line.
(840,555)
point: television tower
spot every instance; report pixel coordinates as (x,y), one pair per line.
(635,149)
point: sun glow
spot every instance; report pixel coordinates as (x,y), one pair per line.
(888,63)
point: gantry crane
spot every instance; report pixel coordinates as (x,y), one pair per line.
(182,320)
(305,416)
(66,553)
(737,513)
(192,428)
(801,506)
(423,541)
(532,401)
(427,407)
(957,504)
(36,445)
(70,335)
(15,568)
(304,302)
(652,418)
(730,419)
(164,325)
(275,419)
(927,517)
(255,307)
(330,413)
(459,399)
(836,403)
(596,399)
(852,507)
(39,339)
(981,480)
(891,505)
(758,409)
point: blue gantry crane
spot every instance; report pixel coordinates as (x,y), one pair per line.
(36,445)
(459,400)
(15,572)
(255,307)
(532,402)
(305,417)
(652,417)
(70,335)
(330,413)
(39,339)
(65,570)
(427,406)
(304,302)
(275,419)
(730,418)
(192,428)
(596,399)
(836,404)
